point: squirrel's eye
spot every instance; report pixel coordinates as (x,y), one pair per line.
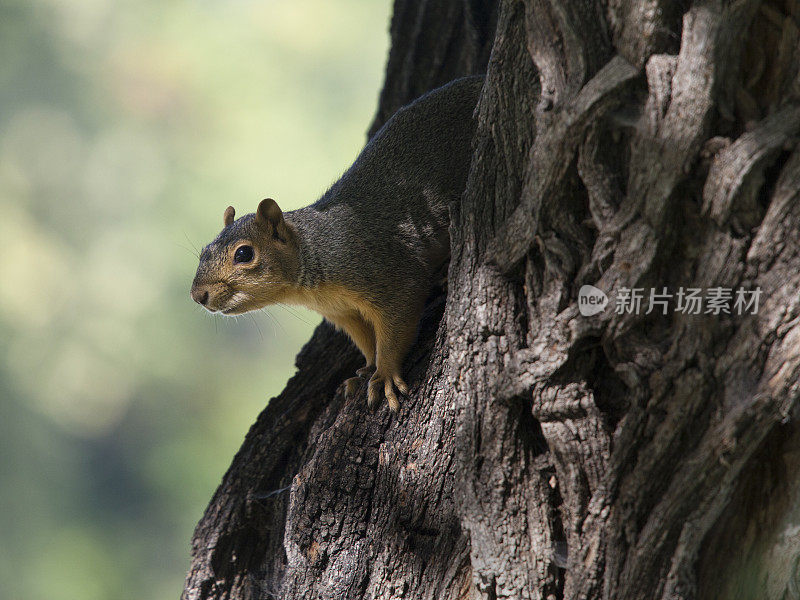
(243,254)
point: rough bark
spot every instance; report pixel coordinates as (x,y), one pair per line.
(620,144)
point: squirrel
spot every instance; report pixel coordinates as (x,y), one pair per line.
(364,255)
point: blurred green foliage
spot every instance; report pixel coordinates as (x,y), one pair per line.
(126,128)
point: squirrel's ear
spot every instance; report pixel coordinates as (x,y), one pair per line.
(269,212)
(228,216)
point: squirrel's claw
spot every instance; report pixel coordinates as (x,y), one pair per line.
(391,397)
(388,383)
(401,385)
(373,395)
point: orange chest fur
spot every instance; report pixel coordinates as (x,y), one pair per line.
(332,300)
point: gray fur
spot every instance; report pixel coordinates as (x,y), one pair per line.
(382,228)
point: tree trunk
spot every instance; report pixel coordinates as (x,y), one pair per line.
(624,145)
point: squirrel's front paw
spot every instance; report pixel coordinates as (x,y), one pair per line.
(352,386)
(388,383)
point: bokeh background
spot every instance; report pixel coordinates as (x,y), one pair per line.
(126,128)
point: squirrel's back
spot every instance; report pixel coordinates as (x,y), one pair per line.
(383,226)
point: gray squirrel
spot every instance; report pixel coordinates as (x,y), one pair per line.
(365,254)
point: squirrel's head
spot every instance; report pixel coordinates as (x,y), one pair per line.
(252,262)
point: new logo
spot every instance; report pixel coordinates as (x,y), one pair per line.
(591,300)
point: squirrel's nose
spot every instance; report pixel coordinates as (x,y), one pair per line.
(200,295)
